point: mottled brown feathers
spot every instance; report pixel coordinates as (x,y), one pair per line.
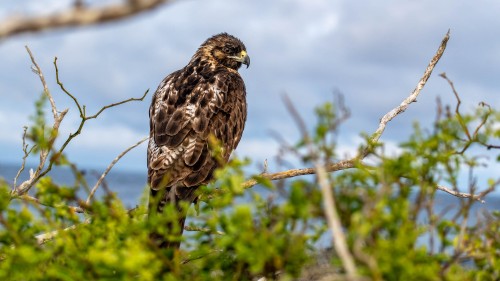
(206,97)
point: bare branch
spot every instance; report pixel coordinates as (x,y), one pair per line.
(457,108)
(82,113)
(36,68)
(333,220)
(474,137)
(413,96)
(45,237)
(58,117)
(478,197)
(26,154)
(94,189)
(35,200)
(38,173)
(81,109)
(117,103)
(76,16)
(341,165)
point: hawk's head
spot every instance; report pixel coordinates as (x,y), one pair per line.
(226,50)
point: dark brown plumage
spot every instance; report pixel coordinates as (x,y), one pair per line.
(206,97)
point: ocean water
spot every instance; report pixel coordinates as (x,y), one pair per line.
(128,186)
(131,185)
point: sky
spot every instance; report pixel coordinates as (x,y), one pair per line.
(373,52)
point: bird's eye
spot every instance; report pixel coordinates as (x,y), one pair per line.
(228,49)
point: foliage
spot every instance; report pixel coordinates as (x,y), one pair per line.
(388,208)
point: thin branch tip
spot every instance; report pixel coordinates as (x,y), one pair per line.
(98,183)
(413,96)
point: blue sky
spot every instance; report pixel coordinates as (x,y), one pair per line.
(373,52)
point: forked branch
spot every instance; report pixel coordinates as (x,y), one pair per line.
(470,138)
(44,152)
(41,170)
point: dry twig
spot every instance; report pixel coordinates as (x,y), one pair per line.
(341,165)
(333,220)
(26,153)
(413,96)
(471,138)
(45,237)
(94,189)
(58,117)
(37,70)
(478,197)
(83,115)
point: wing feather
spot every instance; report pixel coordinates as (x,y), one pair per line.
(184,112)
(194,150)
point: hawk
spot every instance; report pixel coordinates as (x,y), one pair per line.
(206,98)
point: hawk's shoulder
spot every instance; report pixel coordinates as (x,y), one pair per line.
(187,99)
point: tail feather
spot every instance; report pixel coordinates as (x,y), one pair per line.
(158,201)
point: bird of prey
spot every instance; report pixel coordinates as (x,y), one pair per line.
(206,98)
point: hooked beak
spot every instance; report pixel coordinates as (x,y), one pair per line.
(243,58)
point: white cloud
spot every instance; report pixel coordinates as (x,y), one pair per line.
(114,137)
